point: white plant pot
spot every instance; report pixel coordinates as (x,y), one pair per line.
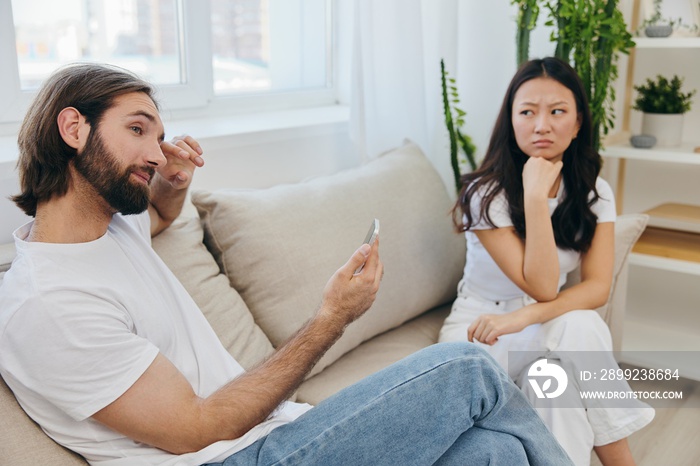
(666,128)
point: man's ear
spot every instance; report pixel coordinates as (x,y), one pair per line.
(70,125)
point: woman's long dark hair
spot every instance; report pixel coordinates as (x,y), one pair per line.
(501,170)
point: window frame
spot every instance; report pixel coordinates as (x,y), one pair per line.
(195,98)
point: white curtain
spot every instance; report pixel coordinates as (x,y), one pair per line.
(395,88)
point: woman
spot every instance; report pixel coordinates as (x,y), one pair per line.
(531,213)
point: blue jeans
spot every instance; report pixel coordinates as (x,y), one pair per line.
(449,404)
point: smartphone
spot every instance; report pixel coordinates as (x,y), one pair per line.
(370,238)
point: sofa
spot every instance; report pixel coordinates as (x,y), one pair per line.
(256,262)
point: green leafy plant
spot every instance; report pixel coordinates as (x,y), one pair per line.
(663,96)
(461,146)
(590,34)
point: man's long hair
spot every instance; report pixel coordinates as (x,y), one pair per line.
(43,154)
(501,170)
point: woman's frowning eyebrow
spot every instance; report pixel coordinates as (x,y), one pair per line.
(534,104)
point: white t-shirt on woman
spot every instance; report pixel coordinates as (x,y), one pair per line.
(483,277)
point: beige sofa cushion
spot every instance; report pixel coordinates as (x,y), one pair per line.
(374,355)
(23,443)
(182,249)
(628,229)
(279,246)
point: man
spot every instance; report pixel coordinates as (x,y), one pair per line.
(106,351)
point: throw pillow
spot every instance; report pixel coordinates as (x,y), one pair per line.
(279,246)
(181,248)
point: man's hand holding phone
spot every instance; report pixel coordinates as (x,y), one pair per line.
(352,289)
(371,237)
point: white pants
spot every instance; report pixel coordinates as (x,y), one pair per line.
(577,429)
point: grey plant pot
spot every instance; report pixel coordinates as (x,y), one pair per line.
(658,30)
(643,141)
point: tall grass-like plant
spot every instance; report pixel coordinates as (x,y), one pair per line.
(590,34)
(460,143)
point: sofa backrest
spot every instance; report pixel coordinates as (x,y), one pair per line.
(182,248)
(23,443)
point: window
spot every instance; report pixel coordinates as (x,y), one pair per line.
(255,47)
(202,54)
(138,35)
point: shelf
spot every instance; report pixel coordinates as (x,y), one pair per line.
(671,244)
(673,216)
(671,250)
(667,42)
(681,154)
(664,263)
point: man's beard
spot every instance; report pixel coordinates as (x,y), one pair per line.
(100,168)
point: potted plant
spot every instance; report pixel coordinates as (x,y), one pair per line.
(663,103)
(655,25)
(658,26)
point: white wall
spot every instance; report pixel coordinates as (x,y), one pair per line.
(487,61)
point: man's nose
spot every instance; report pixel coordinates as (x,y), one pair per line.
(155,156)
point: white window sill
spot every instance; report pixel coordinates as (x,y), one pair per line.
(228,131)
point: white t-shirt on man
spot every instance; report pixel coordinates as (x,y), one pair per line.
(483,277)
(80,323)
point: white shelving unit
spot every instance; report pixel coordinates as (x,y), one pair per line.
(650,335)
(667,42)
(664,263)
(683,154)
